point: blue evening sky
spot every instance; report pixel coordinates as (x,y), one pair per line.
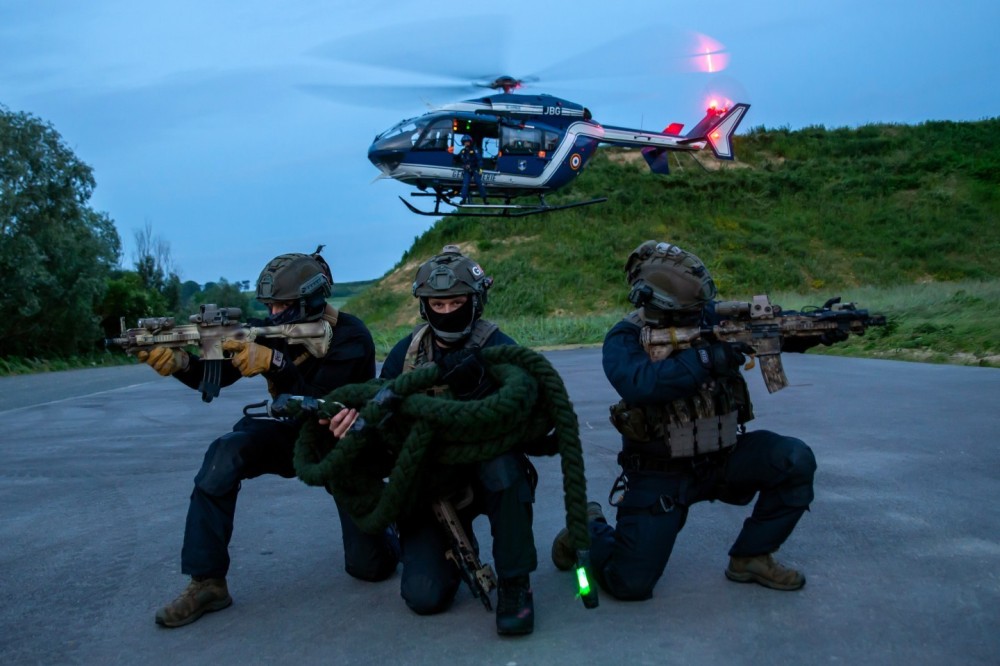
(210,120)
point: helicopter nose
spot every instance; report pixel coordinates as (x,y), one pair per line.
(385,161)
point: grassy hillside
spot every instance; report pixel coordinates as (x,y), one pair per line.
(810,213)
(345,291)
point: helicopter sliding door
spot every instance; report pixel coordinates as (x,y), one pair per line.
(483,132)
(522,151)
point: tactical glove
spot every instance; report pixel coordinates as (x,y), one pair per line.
(723,359)
(165,360)
(465,374)
(251,358)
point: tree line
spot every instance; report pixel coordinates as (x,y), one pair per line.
(65,284)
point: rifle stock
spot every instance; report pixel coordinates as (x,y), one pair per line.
(764,326)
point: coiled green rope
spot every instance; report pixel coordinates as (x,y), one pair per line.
(419,440)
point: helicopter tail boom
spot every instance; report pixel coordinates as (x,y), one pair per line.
(716,129)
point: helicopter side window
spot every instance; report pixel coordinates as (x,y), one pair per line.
(551,141)
(519,141)
(490,147)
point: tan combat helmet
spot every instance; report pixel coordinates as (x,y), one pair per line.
(448,274)
(300,279)
(667,281)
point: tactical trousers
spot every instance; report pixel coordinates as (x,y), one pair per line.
(502,491)
(468,176)
(253,448)
(629,559)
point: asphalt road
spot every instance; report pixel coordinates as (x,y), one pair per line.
(901,548)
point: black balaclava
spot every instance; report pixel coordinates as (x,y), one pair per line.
(454,326)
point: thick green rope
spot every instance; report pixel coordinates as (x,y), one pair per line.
(421,445)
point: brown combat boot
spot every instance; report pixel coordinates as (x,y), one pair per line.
(563,554)
(200,597)
(764,569)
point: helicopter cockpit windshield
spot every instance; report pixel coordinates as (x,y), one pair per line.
(402,135)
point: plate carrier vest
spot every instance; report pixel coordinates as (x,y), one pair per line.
(706,422)
(420,350)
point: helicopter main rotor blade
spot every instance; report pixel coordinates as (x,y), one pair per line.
(655,50)
(445,48)
(388,96)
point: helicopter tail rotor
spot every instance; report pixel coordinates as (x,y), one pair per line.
(717,128)
(720,137)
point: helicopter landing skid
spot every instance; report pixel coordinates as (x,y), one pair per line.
(495,210)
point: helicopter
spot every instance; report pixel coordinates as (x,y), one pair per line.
(530,145)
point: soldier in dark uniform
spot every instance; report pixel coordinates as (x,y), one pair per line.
(295,288)
(471,167)
(684,441)
(452,291)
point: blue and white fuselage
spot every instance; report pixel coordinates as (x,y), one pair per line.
(530,144)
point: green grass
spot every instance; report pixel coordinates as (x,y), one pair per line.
(345,291)
(955,322)
(26,366)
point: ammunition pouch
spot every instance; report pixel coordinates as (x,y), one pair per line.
(671,440)
(707,422)
(630,422)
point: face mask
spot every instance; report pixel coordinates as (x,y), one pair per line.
(287,316)
(453,326)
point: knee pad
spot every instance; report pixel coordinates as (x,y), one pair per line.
(371,558)
(426,596)
(221,471)
(506,471)
(629,585)
(370,572)
(797,460)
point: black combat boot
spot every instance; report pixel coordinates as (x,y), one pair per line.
(515,608)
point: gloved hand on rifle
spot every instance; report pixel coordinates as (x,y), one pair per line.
(723,359)
(251,358)
(165,360)
(464,371)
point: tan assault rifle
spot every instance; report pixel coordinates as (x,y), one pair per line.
(478,576)
(764,326)
(208,329)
